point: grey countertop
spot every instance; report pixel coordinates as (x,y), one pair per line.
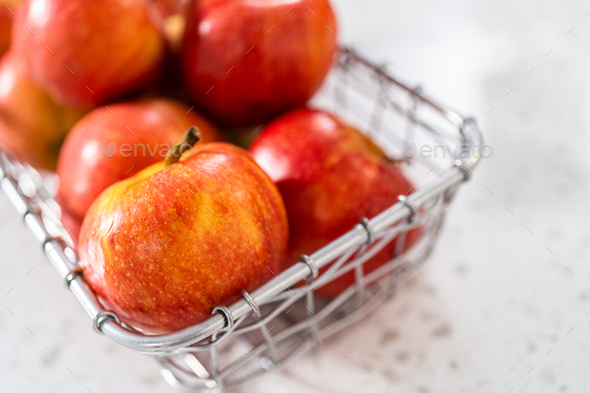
(504,301)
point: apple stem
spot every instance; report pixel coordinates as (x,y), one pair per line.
(187,141)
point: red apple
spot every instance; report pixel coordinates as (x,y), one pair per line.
(32,125)
(7,9)
(246,61)
(112,143)
(86,53)
(164,247)
(330,176)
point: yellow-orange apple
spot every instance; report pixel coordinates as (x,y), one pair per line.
(32,125)
(7,9)
(165,246)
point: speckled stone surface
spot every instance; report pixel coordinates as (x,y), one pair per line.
(503,303)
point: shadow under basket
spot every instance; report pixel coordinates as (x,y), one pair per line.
(280,321)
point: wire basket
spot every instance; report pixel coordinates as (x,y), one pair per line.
(282,319)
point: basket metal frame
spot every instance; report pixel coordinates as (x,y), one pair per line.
(193,358)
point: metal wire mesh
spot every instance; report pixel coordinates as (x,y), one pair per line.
(283,319)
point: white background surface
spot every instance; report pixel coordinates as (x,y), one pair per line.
(492,302)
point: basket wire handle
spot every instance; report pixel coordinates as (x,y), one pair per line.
(274,353)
